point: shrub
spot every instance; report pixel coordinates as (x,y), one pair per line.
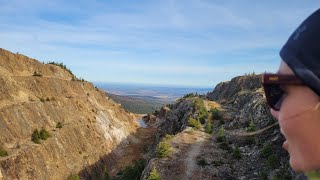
(194,123)
(217,163)
(236,153)
(133,172)
(42,100)
(225,146)
(266,151)
(168,137)
(198,103)
(285,174)
(216,114)
(250,140)
(208,128)
(48,99)
(221,135)
(252,127)
(61,65)
(272,161)
(59,125)
(35,137)
(154,175)
(74,177)
(262,175)
(163,149)
(3,152)
(202,162)
(106,176)
(44,134)
(203,115)
(35,73)
(190,95)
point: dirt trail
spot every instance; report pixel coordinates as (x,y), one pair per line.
(194,151)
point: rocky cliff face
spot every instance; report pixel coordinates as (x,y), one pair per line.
(250,149)
(243,96)
(33,96)
(263,156)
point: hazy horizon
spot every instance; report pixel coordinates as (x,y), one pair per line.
(196,43)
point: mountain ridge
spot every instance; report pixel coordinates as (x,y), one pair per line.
(34,95)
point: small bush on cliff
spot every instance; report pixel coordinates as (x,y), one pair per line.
(202,162)
(190,95)
(208,128)
(59,125)
(216,114)
(272,161)
(266,151)
(154,175)
(236,153)
(221,135)
(203,115)
(44,134)
(35,73)
(133,172)
(225,146)
(74,177)
(201,110)
(35,137)
(168,137)
(163,148)
(194,123)
(3,152)
(252,127)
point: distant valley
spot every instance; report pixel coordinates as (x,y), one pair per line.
(145,99)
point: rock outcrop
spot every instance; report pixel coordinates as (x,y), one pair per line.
(251,147)
(34,95)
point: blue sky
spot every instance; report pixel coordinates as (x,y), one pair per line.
(171,42)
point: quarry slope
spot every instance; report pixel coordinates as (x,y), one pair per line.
(93,126)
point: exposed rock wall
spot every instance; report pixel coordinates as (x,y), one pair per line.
(243,102)
(93,125)
(243,96)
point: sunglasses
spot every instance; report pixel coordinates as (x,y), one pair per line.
(272,87)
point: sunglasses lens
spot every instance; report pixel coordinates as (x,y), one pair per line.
(274,95)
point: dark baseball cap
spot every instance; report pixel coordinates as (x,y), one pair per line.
(302,52)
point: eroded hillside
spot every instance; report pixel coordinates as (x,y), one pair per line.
(84,125)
